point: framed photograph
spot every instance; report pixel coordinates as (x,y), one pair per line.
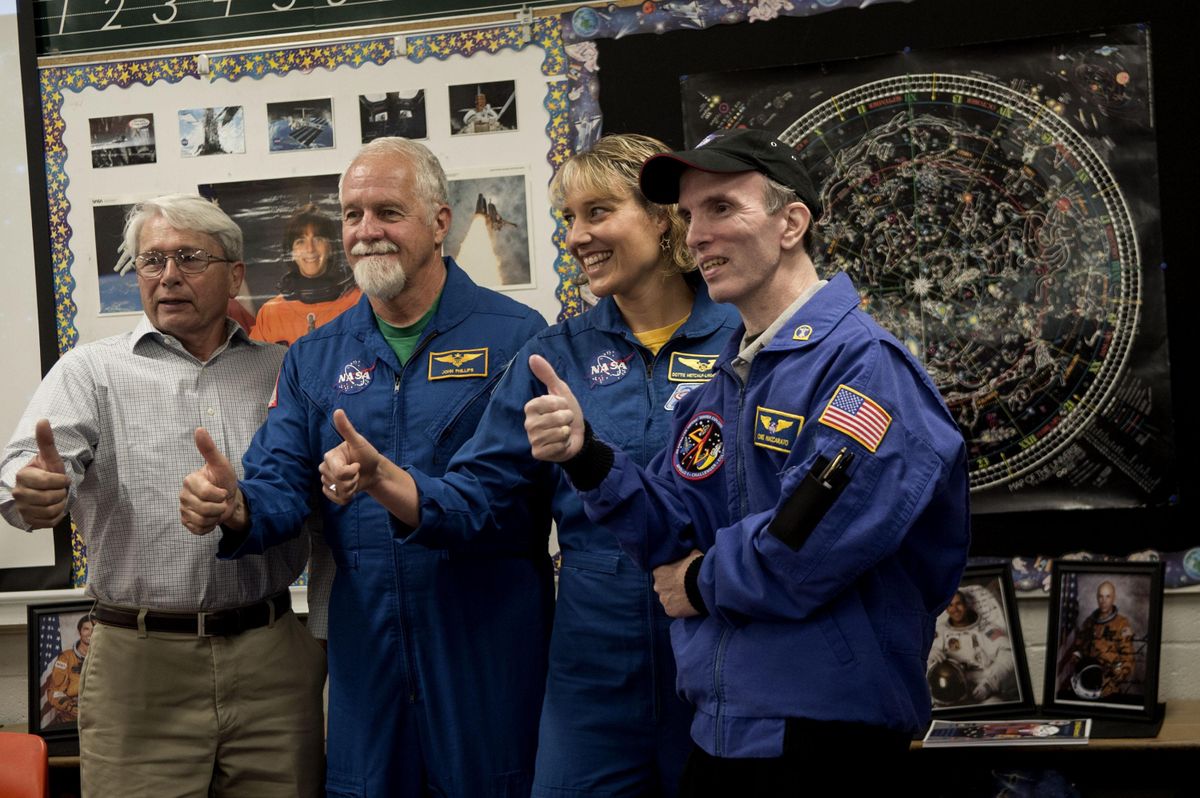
(393,113)
(122,140)
(119,293)
(977,663)
(212,131)
(262,209)
(483,107)
(489,229)
(1104,639)
(300,125)
(59,637)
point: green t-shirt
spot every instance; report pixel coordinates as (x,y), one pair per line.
(403,340)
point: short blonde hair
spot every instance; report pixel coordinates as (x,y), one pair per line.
(611,169)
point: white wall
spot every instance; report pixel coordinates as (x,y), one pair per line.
(20,366)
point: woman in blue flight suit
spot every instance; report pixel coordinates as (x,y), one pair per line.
(611,722)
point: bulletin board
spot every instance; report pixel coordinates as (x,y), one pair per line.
(267,130)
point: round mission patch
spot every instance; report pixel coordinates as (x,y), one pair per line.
(701,448)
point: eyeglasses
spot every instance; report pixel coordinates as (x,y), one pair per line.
(188,261)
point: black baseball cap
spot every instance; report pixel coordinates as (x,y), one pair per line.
(729,152)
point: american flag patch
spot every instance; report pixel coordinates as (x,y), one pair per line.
(856,415)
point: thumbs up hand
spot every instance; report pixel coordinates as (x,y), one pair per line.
(40,488)
(554,422)
(210,494)
(349,467)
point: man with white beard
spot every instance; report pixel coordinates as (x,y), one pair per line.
(436,658)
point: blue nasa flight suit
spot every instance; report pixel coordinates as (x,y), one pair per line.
(612,723)
(839,629)
(436,657)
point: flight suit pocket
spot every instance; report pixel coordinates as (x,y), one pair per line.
(343,785)
(905,631)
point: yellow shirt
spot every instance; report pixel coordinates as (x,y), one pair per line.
(654,339)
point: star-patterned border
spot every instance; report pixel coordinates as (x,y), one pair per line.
(543,32)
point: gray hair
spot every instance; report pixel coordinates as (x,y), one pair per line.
(189,212)
(428,175)
(776,197)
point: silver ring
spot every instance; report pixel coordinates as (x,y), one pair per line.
(332,488)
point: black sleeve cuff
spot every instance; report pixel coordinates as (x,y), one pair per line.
(231,540)
(588,469)
(691,585)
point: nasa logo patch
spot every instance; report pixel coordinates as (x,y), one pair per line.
(700,450)
(608,367)
(354,378)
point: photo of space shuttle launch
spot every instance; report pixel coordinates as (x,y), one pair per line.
(489,233)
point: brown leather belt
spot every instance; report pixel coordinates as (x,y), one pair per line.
(218,623)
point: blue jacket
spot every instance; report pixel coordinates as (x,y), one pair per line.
(839,629)
(430,651)
(611,721)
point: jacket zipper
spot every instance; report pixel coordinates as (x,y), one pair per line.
(405,622)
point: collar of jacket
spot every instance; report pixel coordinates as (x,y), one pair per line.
(459,295)
(706,316)
(819,315)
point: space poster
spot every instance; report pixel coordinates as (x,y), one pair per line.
(997,208)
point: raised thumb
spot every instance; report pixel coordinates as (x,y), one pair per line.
(46,448)
(542,369)
(209,451)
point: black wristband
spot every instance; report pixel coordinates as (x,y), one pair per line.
(691,585)
(591,465)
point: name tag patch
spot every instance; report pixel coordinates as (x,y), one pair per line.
(354,377)
(690,367)
(775,429)
(458,363)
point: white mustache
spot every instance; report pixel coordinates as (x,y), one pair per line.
(381,247)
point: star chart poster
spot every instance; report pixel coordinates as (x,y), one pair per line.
(997,208)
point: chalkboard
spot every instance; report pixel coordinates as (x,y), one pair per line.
(76,26)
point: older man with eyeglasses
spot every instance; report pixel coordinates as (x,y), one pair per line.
(181,690)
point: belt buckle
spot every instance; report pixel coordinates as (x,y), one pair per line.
(201,626)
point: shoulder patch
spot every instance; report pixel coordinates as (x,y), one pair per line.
(857,415)
(690,367)
(354,377)
(775,429)
(60,665)
(700,450)
(458,363)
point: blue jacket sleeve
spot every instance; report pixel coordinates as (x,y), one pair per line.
(483,499)
(280,469)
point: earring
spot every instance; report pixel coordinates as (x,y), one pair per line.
(664,243)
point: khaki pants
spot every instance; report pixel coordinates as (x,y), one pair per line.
(177,715)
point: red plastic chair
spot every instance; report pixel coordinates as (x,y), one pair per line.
(24,766)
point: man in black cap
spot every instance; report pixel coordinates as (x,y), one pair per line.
(818,471)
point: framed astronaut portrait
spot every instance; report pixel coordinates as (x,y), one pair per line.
(977,665)
(1104,639)
(59,638)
